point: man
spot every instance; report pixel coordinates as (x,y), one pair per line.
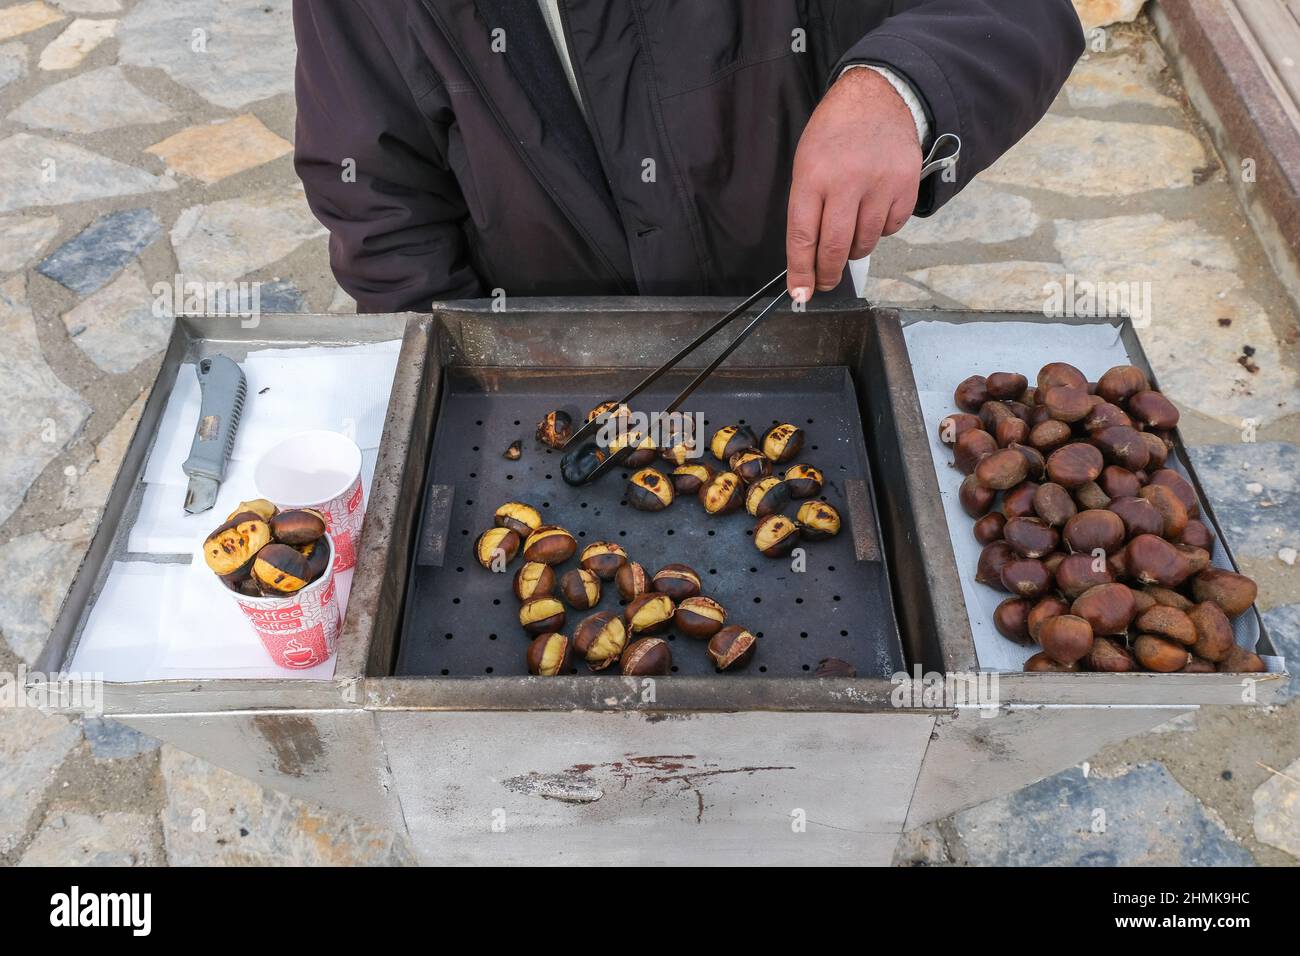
(657,147)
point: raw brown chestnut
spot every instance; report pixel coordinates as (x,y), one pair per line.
(1011,618)
(1005,386)
(1121,383)
(972,393)
(1093,530)
(783,442)
(1168,598)
(1122,445)
(1242,661)
(1026,577)
(1073,465)
(1034,459)
(1011,431)
(649,490)
(1079,573)
(649,614)
(970,448)
(989,528)
(1019,409)
(1030,537)
(1198,535)
(1153,560)
(1019,501)
(730,439)
(1117,562)
(975,499)
(723,493)
(1199,665)
(1060,373)
(1143,602)
(1119,482)
(1109,608)
(555,429)
(688,479)
(991,561)
(1104,415)
(496,547)
(599,640)
(632,581)
(804,481)
(1138,515)
(991,413)
(297,527)
(678,581)
(1109,656)
(732,648)
(603,558)
(1180,486)
(1049,435)
(1167,622)
(550,544)
(229,551)
(539,615)
(1066,403)
(1048,606)
(767,497)
(751,466)
(549,655)
(953,426)
(775,535)
(1158,654)
(1153,409)
(1157,450)
(1091,496)
(1198,559)
(1002,469)
(1065,638)
(520,518)
(648,657)
(281,569)
(1038,415)
(1053,561)
(1040,662)
(534,579)
(1173,514)
(581,588)
(699,617)
(1232,593)
(817,521)
(1053,504)
(834,667)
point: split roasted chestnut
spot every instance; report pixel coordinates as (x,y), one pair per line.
(599,639)
(783,442)
(766,497)
(817,521)
(581,588)
(229,551)
(643,453)
(730,439)
(699,616)
(548,655)
(614,409)
(297,527)
(803,481)
(317,554)
(541,614)
(678,581)
(549,544)
(281,569)
(688,479)
(496,548)
(775,535)
(518,517)
(751,466)
(648,657)
(632,581)
(264,509)
(649,613)
(732,648)
(555,429)
(603,558)
(649,490)
(534,579)
(724,492)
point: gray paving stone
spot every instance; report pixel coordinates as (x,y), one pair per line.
(13,63)
(1255,488)
(117,326)
(88,260)
(281,295)
(23,238)
(244,52)
(29,603)
(222,241)
(114,740)
(1283,624)
(980,213)
(1277,810)
(91,102)
(32,748)
(1145,817)
(89,6)
(79,839)
(45,172)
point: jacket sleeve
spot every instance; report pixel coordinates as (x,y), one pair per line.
(394,213)
(986,70)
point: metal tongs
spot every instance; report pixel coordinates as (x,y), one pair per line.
(579,444)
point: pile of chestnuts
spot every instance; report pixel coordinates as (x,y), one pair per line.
(261,551)
(1099,543)
(634,636)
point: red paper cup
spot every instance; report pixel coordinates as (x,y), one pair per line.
(320,470)
(298,630)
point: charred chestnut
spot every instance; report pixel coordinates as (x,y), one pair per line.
(318,555)
(688,479)
(534,579)
(732,648)
(548,655)
(803,481)
(631,581)
(648,657)
(555,429)
(600,639)
(614,409)
(518,517)
(603,558)
(578,464)
(229,551)
(766,497)
(649,490)
(725,492)
(730,439)
(751,466)
(678,581)
(775,535)
(648,613)
(496,548)
(783,442)
(581,588)
(817,521)
(549,544)
(699,616)
(281,569)
(297,527)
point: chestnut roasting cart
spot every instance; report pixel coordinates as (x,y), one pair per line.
(431,725)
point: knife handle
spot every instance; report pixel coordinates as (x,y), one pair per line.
(223,389)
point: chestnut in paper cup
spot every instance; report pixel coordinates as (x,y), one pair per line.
(298,630)
(320,470)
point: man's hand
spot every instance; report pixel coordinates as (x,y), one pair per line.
(856,175)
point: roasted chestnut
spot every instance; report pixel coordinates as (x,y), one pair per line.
(603,558)
(678,581)
(298,526)
(534,579)
(1121,383)
(518,517)
(970,448)
(548,655)
(1075,464)
(1153,410)
(1053,504)
(1109,655)
(730,439)
(1011,618)
(317,554)
(1109,608)
(1167,622)
(732,648)
(1005,386)
(581,588)
(578,464)
(514,451)
(1122,445)
(989,528)
(229,551)
(1159,654)
(648,657)
(1060,373)
(264,509)
(688,479)
(803,481)
(975,499)
(631,581)
(555,429)
(643,451)
(766,497)
(724,492)
(1094,529)
(1030,537)
(541,614)
(549,544)
(817,521)
(1066,638)
(972,393)
(496,548)
(775,535)
(599,639)
(614,409)
(699,616)
(649,490)
(1079,572)
(782,443)
(281,569)
(648,613)
(751,466)
(1002,469)
(1232,593)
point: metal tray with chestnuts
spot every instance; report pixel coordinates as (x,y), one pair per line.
(1097,541)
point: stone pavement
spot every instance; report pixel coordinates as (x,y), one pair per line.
(149,137)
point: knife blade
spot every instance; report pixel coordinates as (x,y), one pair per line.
(222,388)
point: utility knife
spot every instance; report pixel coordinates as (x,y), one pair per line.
(222,388)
